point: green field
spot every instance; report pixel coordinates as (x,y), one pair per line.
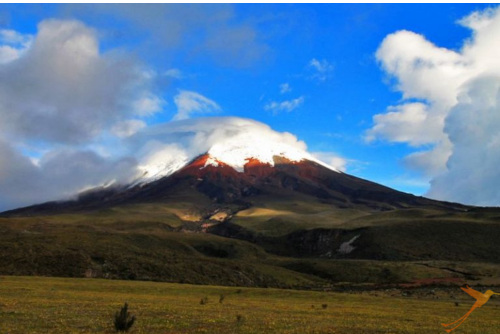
(70,305)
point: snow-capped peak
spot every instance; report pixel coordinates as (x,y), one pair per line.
(237,154)
(227,141)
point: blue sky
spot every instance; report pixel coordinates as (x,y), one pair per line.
(321,72)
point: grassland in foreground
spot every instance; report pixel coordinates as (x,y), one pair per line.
(69,305)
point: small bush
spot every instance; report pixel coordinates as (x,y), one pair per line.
(123,320)
(324,306)
(204,300)
(221,299)
(240,319)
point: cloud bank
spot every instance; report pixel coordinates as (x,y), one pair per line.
(63,80)
(57,175)
(450,110)
(59,96)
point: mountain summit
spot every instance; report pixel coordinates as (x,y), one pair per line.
(234,148)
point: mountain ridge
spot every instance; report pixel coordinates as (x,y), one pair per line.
(223,183)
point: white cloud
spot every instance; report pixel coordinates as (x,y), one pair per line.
(285,88)
(431,162)
(198,135)
(214,32)
(322,69)
(189,103)
(479,20)
(287,105)
(127,128)
(8,54)
(160,159)
(410,123)
(235,45)
(12,45)
(18,175)
(12,37)
(62,78)
(473,127)
(171,144)
(59,174)
(59,96)
(174,73)
(421,67)
(455,124)
(332,159)
(148,105)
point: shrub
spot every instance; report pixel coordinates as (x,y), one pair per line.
(204,300)
(123,320)
(221,299)
(240,319)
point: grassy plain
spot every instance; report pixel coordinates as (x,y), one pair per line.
(69,305)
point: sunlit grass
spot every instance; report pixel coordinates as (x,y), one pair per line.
(56,305)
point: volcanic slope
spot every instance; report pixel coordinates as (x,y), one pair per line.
(208,181)
(209,221)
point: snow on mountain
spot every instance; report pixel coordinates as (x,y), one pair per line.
(162,163)
(236,153)
(233,154)
(228,140)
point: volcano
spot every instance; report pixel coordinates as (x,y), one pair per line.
(284,178)
(249,212)
(234,161)
(230,178)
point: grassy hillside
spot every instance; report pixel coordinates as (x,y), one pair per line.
(56,305)
(134,250)
(287,242)
(96,246)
